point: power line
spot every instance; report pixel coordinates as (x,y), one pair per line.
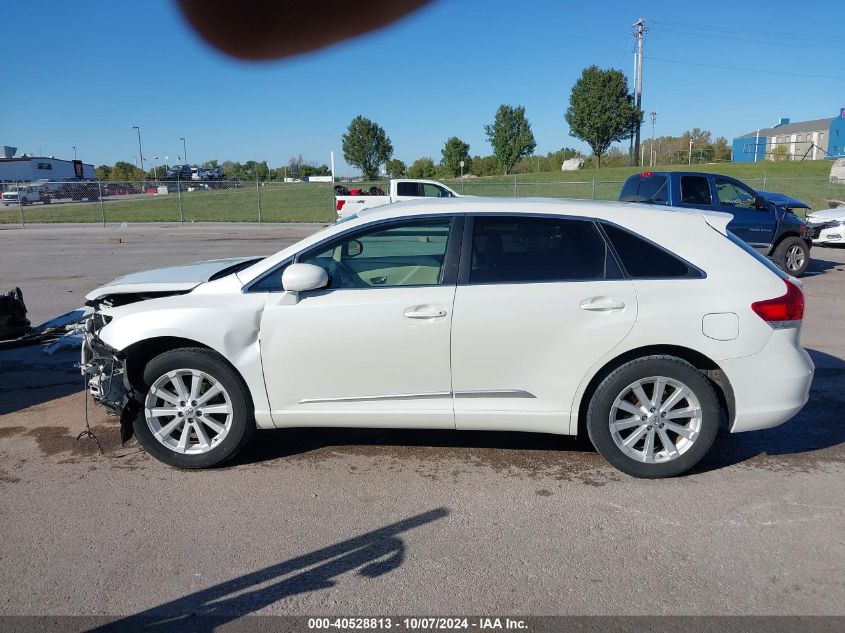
(750,32)
(750,70)
(751,39)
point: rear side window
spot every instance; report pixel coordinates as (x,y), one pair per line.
(651,188)
(695,190)
(643,259)
(528,249)
(407,189)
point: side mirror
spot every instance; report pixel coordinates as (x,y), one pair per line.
(302,277)
(354,248)
(760,202)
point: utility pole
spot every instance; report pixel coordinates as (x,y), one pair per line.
(184,148)
(689,160)
(140,151)
(639,33)
(74,151)
(652,156)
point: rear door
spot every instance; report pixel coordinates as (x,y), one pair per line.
(755,226)
(539,301)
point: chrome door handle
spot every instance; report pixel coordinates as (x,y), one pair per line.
(424,313)
(602,304)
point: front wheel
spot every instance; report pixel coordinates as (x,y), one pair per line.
(653,417)
(196,410)
(793,256)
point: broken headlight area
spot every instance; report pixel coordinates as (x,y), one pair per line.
(106,377)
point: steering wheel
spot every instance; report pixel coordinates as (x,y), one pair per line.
(345,276)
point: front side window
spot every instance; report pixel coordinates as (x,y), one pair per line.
(406,253)
(528,249)
(695,190)
(430,190)
(732,194)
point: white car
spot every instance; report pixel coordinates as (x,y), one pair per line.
(637,326)
(829,226)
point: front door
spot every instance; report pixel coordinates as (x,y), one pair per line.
(539,302)
(371,349)
(752,225)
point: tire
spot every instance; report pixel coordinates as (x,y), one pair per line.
(793,256)
(193,448)
(46,200)
(24,202)
(689,448)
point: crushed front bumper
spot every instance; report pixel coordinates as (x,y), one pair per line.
(107,379)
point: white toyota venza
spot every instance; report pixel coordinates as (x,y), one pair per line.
(645,329)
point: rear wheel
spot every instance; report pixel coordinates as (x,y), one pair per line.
(653,417)
(793,255)
(196,411)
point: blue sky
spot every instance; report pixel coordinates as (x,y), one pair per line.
(92,70)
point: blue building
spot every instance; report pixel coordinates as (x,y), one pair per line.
(806,140)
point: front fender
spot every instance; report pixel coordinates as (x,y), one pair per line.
(228,325)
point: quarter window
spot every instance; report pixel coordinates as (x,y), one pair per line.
(407,253)
(528,249)
(643,259)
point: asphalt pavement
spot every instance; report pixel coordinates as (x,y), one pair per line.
(368,522)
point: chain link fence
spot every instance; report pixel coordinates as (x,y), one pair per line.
(245,201)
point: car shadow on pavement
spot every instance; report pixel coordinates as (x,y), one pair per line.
(29,377)
(821,266)
(370,555)
(819,426)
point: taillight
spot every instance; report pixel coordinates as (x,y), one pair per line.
(788,307)
(339,205)
(646,174)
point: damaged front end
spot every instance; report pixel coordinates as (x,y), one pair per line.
(106,375)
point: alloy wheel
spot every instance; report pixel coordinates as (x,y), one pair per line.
(655,419)
(794,258)
(188,411)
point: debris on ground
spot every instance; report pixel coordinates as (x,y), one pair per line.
(16,330)
(13,321)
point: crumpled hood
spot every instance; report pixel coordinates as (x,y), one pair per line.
(783,200)
(171,279)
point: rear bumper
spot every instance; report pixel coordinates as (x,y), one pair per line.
(771,386)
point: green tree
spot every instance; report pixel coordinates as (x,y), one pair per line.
(422,168)
(103,172)
(366,146)
(395,168)
(453,153)
(601,109)
(122,171)
(510,136)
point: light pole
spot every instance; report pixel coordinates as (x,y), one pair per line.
(140,151)
(184,148)
(155,168)
(653,157)
(74,151)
